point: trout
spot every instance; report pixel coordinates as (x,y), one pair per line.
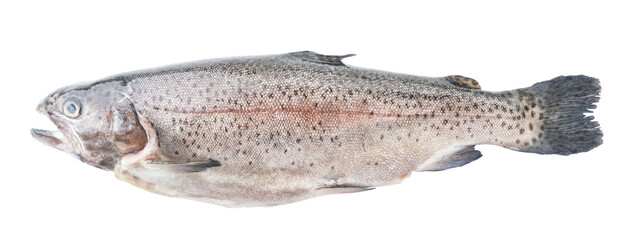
(276,129)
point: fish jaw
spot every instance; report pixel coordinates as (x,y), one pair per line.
(54,139)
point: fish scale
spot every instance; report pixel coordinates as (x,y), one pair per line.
(275,129)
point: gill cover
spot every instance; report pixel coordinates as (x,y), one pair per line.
(128,135)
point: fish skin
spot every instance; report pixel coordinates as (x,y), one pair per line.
(276,129)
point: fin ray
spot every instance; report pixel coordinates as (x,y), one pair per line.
(197,166)
(342,189)
(565,127)
(457,158)
(309,56)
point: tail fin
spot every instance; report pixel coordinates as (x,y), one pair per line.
(564,101)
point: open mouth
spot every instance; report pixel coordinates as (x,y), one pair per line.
(52,138)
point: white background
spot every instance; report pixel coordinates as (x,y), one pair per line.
(47,194)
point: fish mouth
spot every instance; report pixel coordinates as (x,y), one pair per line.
(52,138)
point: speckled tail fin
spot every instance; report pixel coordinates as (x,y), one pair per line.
(565,128)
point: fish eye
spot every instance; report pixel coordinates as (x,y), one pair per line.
(71,108)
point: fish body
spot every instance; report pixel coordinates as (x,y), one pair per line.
(269,130)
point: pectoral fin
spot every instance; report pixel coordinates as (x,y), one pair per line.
(197,166)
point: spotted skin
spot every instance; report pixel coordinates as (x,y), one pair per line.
(276,129)
(463,81)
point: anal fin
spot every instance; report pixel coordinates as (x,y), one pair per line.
(457,158)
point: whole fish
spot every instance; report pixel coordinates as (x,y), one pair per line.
(268,130)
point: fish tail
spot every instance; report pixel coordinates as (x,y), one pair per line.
(563,126)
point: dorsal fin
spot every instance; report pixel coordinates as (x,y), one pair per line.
(465,82)
(335,60)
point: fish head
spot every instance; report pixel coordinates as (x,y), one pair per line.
(96,123)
